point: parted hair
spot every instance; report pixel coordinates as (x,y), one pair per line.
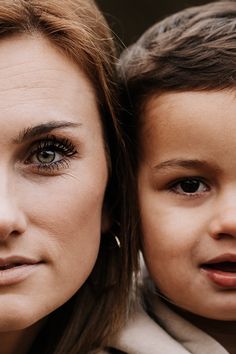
(86,322)
(192,50)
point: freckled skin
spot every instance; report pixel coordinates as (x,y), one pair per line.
(55,218)
(180,231)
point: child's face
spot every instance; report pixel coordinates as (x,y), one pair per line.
(187,194)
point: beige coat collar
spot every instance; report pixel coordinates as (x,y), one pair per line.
(142,335)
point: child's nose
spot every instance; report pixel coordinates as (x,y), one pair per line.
(223,223)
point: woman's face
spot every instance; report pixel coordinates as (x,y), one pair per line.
(187,195)
(53,175)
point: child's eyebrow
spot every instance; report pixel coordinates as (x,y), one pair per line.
(31,132)
(187,164)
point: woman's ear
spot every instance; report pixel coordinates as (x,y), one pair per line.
(109,237)
(106,220)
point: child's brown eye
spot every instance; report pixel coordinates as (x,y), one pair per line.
(189,186)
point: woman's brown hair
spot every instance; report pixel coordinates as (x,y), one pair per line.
(92,315)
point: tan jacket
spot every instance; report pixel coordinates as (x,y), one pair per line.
(142,334)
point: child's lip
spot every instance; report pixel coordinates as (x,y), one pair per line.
(225,257)
(221,270)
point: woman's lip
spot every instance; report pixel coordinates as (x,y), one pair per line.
(5,261)
(22,268)
(220,278)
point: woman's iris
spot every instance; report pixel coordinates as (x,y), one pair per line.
(46,156)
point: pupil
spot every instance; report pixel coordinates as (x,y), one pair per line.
(190,186)
(46,156)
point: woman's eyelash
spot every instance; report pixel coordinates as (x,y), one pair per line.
(51,153)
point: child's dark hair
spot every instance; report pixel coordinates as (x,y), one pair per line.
(194,49)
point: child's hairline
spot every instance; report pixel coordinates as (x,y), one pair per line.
(145,99)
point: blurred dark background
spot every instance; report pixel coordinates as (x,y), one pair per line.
(129,18)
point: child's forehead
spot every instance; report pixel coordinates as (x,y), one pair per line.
(188,121)
(184,107)
(162,109)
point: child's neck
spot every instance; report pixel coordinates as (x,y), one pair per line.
(222,331)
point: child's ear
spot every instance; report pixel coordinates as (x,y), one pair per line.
(106,220)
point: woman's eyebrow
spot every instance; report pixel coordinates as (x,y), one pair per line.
(186,163)
(31,132)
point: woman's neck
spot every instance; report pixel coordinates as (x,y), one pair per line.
(18,342)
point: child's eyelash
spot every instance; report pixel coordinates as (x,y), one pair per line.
(51,146)
(189,186)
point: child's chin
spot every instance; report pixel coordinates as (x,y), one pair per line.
(231,316)
(225,313)
(223,310)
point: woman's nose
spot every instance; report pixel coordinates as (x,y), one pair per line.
(12,220)
(223,223)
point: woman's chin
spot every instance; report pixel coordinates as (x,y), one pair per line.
(18,316)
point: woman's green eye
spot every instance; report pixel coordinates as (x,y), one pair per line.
(51,153)
(45,157)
